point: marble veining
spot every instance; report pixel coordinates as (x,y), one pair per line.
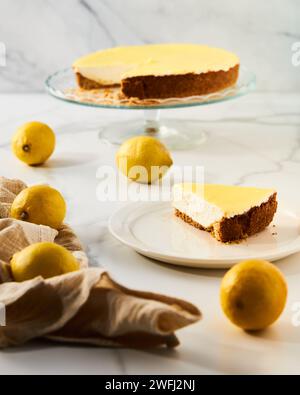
(49,35)
(252,140)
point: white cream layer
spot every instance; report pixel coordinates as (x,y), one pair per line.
(104,75)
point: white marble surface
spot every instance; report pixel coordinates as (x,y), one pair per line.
(251,140)
(44,36)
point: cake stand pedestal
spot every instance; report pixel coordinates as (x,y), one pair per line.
(174,133)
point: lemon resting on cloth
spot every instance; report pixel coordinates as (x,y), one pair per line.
(42,259)
(41,205)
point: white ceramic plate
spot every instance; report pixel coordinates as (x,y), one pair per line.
(152,229)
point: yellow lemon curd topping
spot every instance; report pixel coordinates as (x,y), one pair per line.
(114,64)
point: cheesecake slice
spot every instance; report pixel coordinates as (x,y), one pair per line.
(159,70)
(229,213)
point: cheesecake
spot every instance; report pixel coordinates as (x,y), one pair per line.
(230,213)
(158,71)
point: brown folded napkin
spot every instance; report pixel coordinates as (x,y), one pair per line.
(86,306)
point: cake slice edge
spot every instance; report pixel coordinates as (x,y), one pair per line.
(241,226)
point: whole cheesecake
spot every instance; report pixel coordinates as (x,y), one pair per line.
(159,71)
(230,213)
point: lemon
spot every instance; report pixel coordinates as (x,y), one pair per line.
(143,159)
(253,294)
(39,204)
(42,259)
(33,143)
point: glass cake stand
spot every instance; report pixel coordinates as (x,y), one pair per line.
(175,133)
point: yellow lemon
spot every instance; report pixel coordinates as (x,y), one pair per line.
(33,143)
(42,259)
(39,204)
(143,159)
(253,294)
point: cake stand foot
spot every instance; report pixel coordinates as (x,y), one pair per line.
(175,134)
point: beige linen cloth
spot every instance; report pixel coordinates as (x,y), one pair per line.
(86,306)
